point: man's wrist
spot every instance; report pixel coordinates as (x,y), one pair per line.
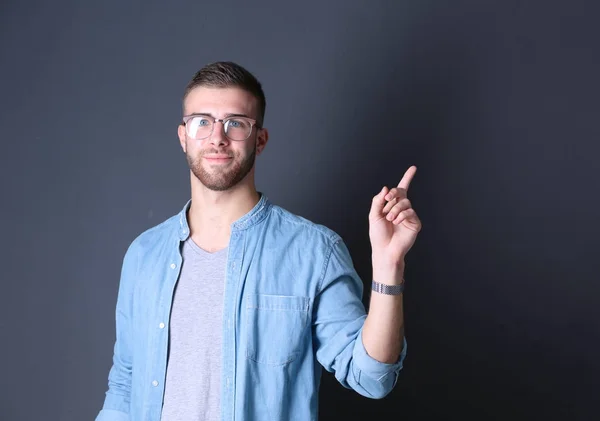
(389,274)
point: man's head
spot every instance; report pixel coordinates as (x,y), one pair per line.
(221,154)
(225,74)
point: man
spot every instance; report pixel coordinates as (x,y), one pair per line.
(229,309)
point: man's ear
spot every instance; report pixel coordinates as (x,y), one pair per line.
(182,137)
(261,141)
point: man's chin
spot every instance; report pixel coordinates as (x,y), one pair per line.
(218,187)
(216,184)
(219,179)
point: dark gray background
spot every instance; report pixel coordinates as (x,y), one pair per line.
(496,102)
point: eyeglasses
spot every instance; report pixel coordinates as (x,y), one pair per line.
(200,126)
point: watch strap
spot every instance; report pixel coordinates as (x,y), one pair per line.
(387,289)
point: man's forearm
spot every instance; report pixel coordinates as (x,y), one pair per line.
(383,331)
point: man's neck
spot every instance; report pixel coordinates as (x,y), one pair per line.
(212,212)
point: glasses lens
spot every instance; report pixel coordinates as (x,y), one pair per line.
(199,127)
(237,128)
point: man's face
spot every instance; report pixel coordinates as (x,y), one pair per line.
(218,162)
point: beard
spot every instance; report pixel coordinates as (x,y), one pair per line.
(221,179)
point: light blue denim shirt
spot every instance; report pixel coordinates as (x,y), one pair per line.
(292,304)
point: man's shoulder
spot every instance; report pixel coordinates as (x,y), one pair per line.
(294,223)
(156,234)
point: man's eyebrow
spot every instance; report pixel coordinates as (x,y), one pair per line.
(237,115)
(226,115)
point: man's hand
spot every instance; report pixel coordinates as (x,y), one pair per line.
(393,223)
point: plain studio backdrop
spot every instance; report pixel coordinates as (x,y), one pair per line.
(496,102)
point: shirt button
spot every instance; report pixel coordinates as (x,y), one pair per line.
(162,325)
(173,265)
(154,383)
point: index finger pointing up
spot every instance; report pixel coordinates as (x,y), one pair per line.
(408,176)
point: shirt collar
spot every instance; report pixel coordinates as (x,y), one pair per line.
(256,214)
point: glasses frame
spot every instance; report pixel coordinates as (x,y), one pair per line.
(253,124)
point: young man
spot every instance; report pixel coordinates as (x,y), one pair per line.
(228,310)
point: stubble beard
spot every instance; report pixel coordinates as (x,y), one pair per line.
(221,179)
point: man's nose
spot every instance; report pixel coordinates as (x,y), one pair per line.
(218,136)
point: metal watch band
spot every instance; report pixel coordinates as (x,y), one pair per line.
(387,289)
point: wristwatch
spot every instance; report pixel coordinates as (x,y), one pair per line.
(387,289)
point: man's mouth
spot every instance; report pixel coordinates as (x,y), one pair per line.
(217,157)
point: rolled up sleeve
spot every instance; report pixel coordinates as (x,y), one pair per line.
(382,377)
(338,320)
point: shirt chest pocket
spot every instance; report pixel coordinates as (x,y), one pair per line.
(277,327)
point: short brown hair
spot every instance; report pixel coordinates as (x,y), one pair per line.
(226,74)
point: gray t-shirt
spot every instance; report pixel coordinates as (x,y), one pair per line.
(193,383)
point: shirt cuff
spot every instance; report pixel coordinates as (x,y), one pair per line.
(372,367)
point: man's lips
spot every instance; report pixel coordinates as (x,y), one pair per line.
(217,158)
